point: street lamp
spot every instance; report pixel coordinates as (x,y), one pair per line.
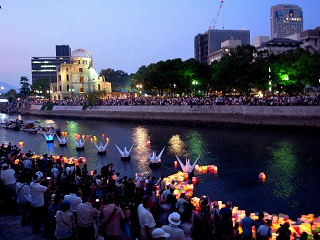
(194,84)
(139,86)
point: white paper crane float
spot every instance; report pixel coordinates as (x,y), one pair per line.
(155,161)
(49,137)
(187,168)
(125,154)
(101,148)
(62,141)
(80,144)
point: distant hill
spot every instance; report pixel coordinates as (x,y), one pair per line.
(7,87)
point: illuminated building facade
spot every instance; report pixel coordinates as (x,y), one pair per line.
(77,78)
(285,19)
(46,67)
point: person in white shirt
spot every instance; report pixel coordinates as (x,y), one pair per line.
(55,172)
(37,201)
(9,181)
(23,197)
(73,199)
(146,218)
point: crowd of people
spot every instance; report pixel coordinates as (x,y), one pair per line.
(22,105)
(66,201)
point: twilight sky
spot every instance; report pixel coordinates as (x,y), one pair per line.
(124,34)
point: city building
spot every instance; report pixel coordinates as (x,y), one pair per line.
(258,41)
(210,41)
(77,78)
(285,20)
(46,67)
(279,45)
(226,47)
(311,40)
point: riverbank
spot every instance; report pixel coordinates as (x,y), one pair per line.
(254,117)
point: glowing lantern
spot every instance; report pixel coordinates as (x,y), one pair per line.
(107,139)
(16,161)
(148,143)
(175,163)
(84,160)
(196,167)
(91,173)
(138,148)
(102,135)
(20,143)
(262,175)
(194,180)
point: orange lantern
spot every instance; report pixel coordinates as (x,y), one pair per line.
(175,163)
(148,143)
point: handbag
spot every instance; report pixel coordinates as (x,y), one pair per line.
(102,227)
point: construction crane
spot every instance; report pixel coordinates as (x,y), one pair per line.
(215,20)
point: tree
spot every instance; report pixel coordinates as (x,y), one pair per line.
(25,87)
(41,87)
(119,79)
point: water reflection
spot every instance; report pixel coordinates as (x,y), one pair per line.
(283,169)
(196,146)
(176,145)
(140,137)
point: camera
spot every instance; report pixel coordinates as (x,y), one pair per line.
(48,178)
(97,200)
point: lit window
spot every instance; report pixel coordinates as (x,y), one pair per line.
(81,80)
(81,89)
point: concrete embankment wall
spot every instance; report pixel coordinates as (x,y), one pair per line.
(230,116)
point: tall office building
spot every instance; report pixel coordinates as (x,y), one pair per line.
(211,40)
(285,19)
(46,67)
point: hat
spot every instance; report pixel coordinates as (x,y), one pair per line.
(174,219)
(229,204)
(159,232)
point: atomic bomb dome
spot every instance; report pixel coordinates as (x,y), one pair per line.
(81,53)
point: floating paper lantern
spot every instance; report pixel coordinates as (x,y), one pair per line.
(194,180)
(91,173)
(262,175)
(16,161)
(84,160)
(21,143)
(175,163)
(102,135)
(148,143)
(107,139)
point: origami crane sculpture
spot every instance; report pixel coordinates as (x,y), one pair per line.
(125,154)
(62,141)
(187,168)
(80,144)
(49,137)
(155,161)
(101,148)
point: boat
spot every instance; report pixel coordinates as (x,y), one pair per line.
(80,144)
(9,123)
(125,154)
(187,168)
(50,127)
(101,148)
(155,161)
(62,141)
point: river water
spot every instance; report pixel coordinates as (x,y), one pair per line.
(290,160)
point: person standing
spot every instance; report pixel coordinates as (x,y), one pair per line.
(173,228)
(73,199)
(37,201)
(247,223)
(146,220)
(65,222)
(226,221)
(9,181)
(113,215)
(23,197)
(85,217)
(264,231)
